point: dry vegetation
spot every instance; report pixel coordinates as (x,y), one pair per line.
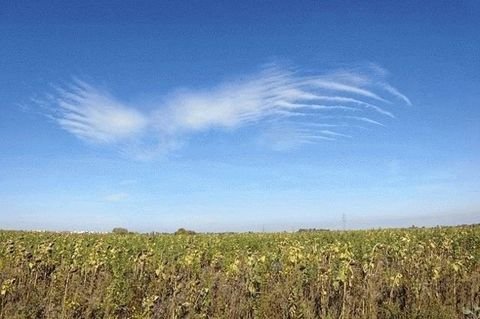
(414,273)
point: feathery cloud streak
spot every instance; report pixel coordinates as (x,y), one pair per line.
(314,106)
(95,116)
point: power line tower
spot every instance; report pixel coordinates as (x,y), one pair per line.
(344,221)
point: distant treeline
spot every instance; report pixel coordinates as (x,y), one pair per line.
(312,230)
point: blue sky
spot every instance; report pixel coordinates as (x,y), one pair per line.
(235,115)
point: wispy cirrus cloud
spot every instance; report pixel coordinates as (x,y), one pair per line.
(314,107)
(94,115)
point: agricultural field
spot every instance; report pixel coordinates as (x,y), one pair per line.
(404,273)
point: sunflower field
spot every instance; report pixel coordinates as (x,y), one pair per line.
(392,273)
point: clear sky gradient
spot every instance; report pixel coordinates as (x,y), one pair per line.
(238,115)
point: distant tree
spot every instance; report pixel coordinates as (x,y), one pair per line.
(120,230)
(183,231)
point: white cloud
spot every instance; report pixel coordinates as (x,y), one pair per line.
(93,115)
(116,197)
(276,94)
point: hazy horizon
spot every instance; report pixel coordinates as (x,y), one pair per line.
(432,220)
